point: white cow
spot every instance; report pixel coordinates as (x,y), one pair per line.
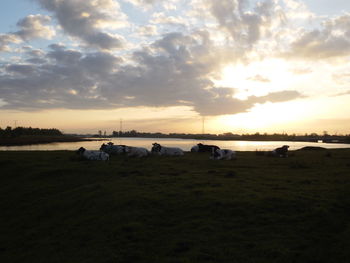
(171,151)
(136,151)
(223,154)
(195,149)
(93,155)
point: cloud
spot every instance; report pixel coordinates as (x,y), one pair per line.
(246,25)
(6,40)
(148,4)
(31,27)
(21,69)
(342,93)
(176,69)
(35,26)
(63,56)
(278,96)
(173,71)
(342,78)
(259,78)
(162,18)
(221,101)
(86,19)
(143,2)
(35,56)
(301,71)
(332,40)
(2,102)
(147,31)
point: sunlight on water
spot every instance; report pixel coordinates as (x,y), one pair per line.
(184,144)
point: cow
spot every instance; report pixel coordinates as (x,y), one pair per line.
(93,155)
(281,151)
(204,148)
(161,150)
(223,154)
(112,149)
(195,149)
(136,151)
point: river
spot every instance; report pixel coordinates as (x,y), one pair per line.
(184,144)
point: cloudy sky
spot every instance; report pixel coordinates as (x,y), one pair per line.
(242,65)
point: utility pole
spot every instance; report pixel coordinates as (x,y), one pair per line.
(15,123)
(120,126)
(203,120)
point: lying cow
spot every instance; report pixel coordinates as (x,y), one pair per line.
(204,148)
(136,151)
(93,155)
(223,154)
(281,151)
(161,150)
(112,149)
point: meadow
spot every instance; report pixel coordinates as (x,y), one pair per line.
(56,207)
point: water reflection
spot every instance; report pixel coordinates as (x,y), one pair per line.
(184,144)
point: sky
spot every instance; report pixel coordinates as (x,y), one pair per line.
(241,66)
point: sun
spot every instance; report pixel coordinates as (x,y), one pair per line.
(260,78)
(257,78)
(267,117)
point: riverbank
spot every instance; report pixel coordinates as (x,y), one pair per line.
(41,139)
(184,144)
(59,208)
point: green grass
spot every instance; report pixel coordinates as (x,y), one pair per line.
(58,208)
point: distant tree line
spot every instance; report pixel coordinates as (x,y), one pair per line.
(22,131)
(312,137)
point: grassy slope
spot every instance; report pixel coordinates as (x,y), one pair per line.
(57,208)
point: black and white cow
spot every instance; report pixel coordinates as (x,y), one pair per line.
(110,148)
(281,151)
(93,155)
(161,150)
(223,154)
(204,148)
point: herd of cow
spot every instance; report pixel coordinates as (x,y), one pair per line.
(216,153)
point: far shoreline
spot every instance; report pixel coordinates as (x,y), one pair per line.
(33,140)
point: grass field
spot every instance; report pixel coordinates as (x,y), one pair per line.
(58,208)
